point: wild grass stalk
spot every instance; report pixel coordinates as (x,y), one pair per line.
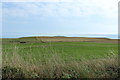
(53,66)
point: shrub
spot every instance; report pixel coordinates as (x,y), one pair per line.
(12,72)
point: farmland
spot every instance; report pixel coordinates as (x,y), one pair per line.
(60,57)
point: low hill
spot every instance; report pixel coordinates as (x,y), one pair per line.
(60,39)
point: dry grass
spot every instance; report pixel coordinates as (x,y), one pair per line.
(76,39)
(55,67)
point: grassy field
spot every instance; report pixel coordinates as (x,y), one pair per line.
(60,58)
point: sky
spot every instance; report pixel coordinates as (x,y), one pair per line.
(58,17)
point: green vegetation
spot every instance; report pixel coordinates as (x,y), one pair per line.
(37,59)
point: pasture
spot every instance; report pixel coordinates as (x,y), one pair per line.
(61,58)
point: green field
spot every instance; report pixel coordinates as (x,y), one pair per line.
(16,54)
(76,50)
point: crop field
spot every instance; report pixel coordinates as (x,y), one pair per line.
(39,58)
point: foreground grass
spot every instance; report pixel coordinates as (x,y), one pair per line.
(57,68)
(60,60)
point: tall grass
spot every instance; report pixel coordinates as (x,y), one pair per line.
(53,66)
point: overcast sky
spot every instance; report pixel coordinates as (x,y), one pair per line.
(59,17)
